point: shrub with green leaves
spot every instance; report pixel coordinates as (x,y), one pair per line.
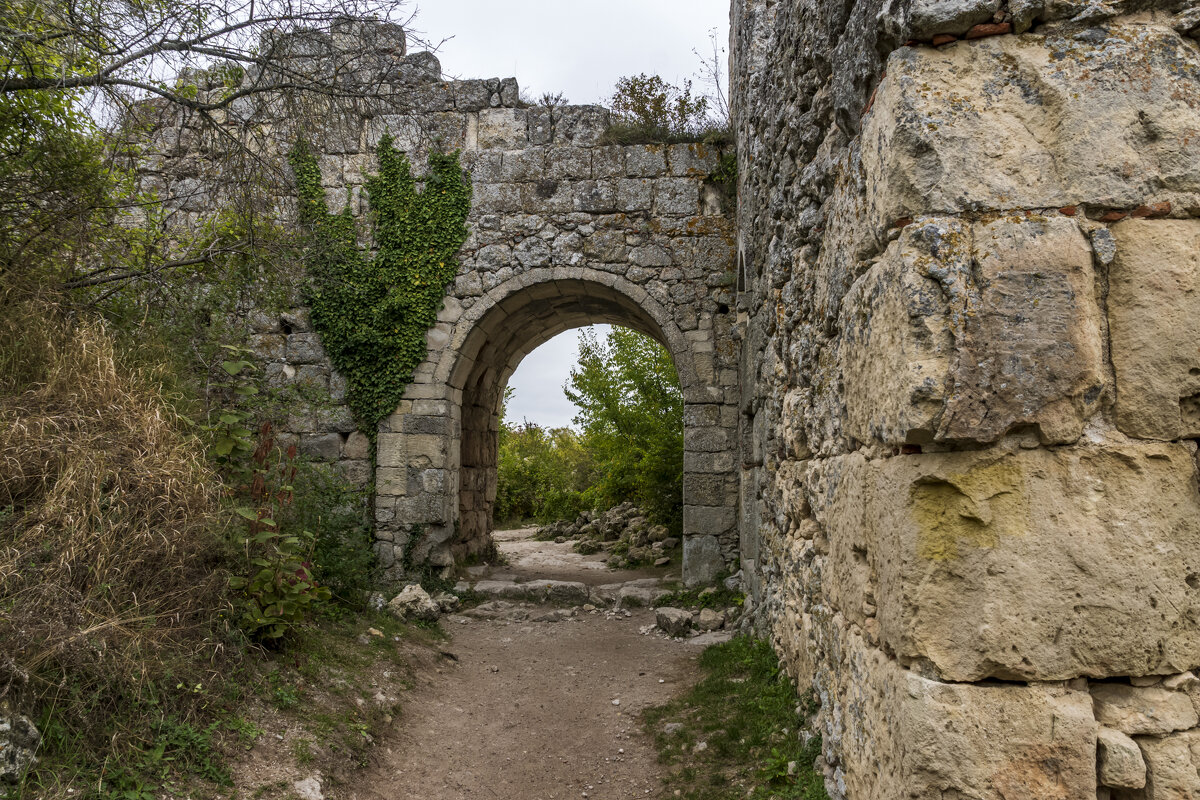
(647,109)
(650,103)
(372,312)
(324,502)
(543,473)
(276,582)
(631,414)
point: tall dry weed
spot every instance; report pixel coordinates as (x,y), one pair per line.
(110,563)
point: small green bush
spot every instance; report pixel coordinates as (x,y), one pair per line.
(658,110)
(275,576)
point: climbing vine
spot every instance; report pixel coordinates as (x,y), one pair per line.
(372,312)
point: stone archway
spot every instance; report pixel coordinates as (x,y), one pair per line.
(442,443)
(495,347)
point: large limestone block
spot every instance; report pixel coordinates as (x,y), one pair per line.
(1154,318)
(502,129)
(1001,742)
(903,736)
(1040,564)
(964,332)
(1021,122)
(1143,710)
(702,559)
(1173,767)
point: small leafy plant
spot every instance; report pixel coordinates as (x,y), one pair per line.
(277,584)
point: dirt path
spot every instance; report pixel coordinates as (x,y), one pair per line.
(530,709)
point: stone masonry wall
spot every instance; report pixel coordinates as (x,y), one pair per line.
(969,286)
(565,231)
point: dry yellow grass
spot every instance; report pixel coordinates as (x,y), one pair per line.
(109,557)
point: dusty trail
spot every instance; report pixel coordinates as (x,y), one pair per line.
(527,712)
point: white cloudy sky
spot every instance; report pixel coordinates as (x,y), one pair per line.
(579,48)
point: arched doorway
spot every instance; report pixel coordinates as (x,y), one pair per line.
(438,454)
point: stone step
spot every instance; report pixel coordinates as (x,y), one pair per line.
(642,592)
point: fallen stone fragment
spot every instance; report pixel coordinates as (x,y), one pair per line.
(710,638)
(709,620)
(446,602)
(557,615)
(308,789)
(673,621)
(19,740)
(1182,682)
(499,610)
(414,603)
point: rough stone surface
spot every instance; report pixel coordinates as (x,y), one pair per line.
(541,591)
(966,332)
(932,142)
(673,621)
(709,620)
(1173,766)
(19,740)
(1154,316)
(1119,760)
(1030,565)
(414,603)
(966,378)
(1141,711)
(703,556)
(1035,742)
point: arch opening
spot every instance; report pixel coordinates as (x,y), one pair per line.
(437,455)
(491,353)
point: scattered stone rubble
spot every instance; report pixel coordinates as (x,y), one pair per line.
(624,531)
(521,601)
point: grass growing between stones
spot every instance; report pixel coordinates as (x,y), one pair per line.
(709,597)
(735,733)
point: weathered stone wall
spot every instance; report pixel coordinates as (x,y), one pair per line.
(565,231)
(969,279)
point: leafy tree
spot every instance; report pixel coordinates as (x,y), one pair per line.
(631,415)
(84,84)
(649,102)
(544,473)
(129,49)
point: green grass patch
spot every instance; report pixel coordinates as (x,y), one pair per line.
(711,597)
(322,687)
(735,733)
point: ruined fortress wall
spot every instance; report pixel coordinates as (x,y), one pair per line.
(565,230)
(970,301)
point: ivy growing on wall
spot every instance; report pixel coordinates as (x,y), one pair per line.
(372,312)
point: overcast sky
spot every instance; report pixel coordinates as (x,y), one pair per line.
(579,48)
